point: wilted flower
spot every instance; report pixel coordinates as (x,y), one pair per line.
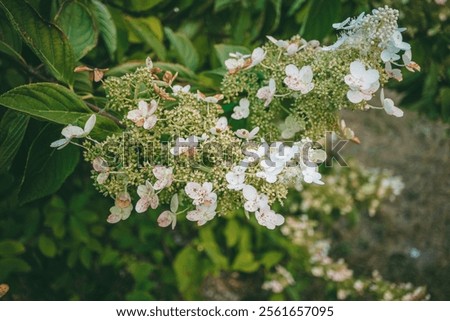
(245,134)
(290,127)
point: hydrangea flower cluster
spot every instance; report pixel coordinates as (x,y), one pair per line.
(178,153)
(296,88)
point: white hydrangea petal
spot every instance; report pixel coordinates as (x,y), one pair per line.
(306,74)
(113,218)
(90,123)
(291,70)
(354,96)
(153,107)
(71,131)
(143,107)
(249,192)
(60,143)
(357,68)
(192,189)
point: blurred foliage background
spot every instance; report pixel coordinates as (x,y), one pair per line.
(54,240)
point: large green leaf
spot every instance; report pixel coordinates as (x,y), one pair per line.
(47,101)
(106,26)
(8,50)
(47,168)
(76,21)
(321,15)
(8,35)
(184,49)
(47,246)
(12,265)
(46,40)
(143,30)
(12,130)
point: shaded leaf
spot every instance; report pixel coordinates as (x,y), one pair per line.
(46,101)
(188,271)
(106,26)
(184,49)
(46,40)
(47,168)
(11,248)
(47,246)
(76,21)
(12,130)
(245,262)
(9,51)
(144,32)
(321,15)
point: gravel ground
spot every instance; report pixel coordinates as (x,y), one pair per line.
(409,239)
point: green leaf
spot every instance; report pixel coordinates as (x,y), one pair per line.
(212,248)
(245,262)
(271,258)
(137,5)
(47,168)
(76,21)
(12,129)
(184,49)
(46,101)
(13,265)
(8,50)
(223,51)
(321,15)
(219,5)
(232,233)
(47,246)
(188,271)
(11,248)
(143,31)
(46,40)
(106,26)
(8,35)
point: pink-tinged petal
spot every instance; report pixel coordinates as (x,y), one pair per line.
(113,218)
(174,203)
(193,216)
(90,124)
(159,172)
(143,107)
(153,107)
(272,86)
(164,219)
(192,189)
(102,177)
(154,201)
(134,115)
(150,122)
(71,131)
(142,205)
(357,69)
(354,96)
(60,143)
